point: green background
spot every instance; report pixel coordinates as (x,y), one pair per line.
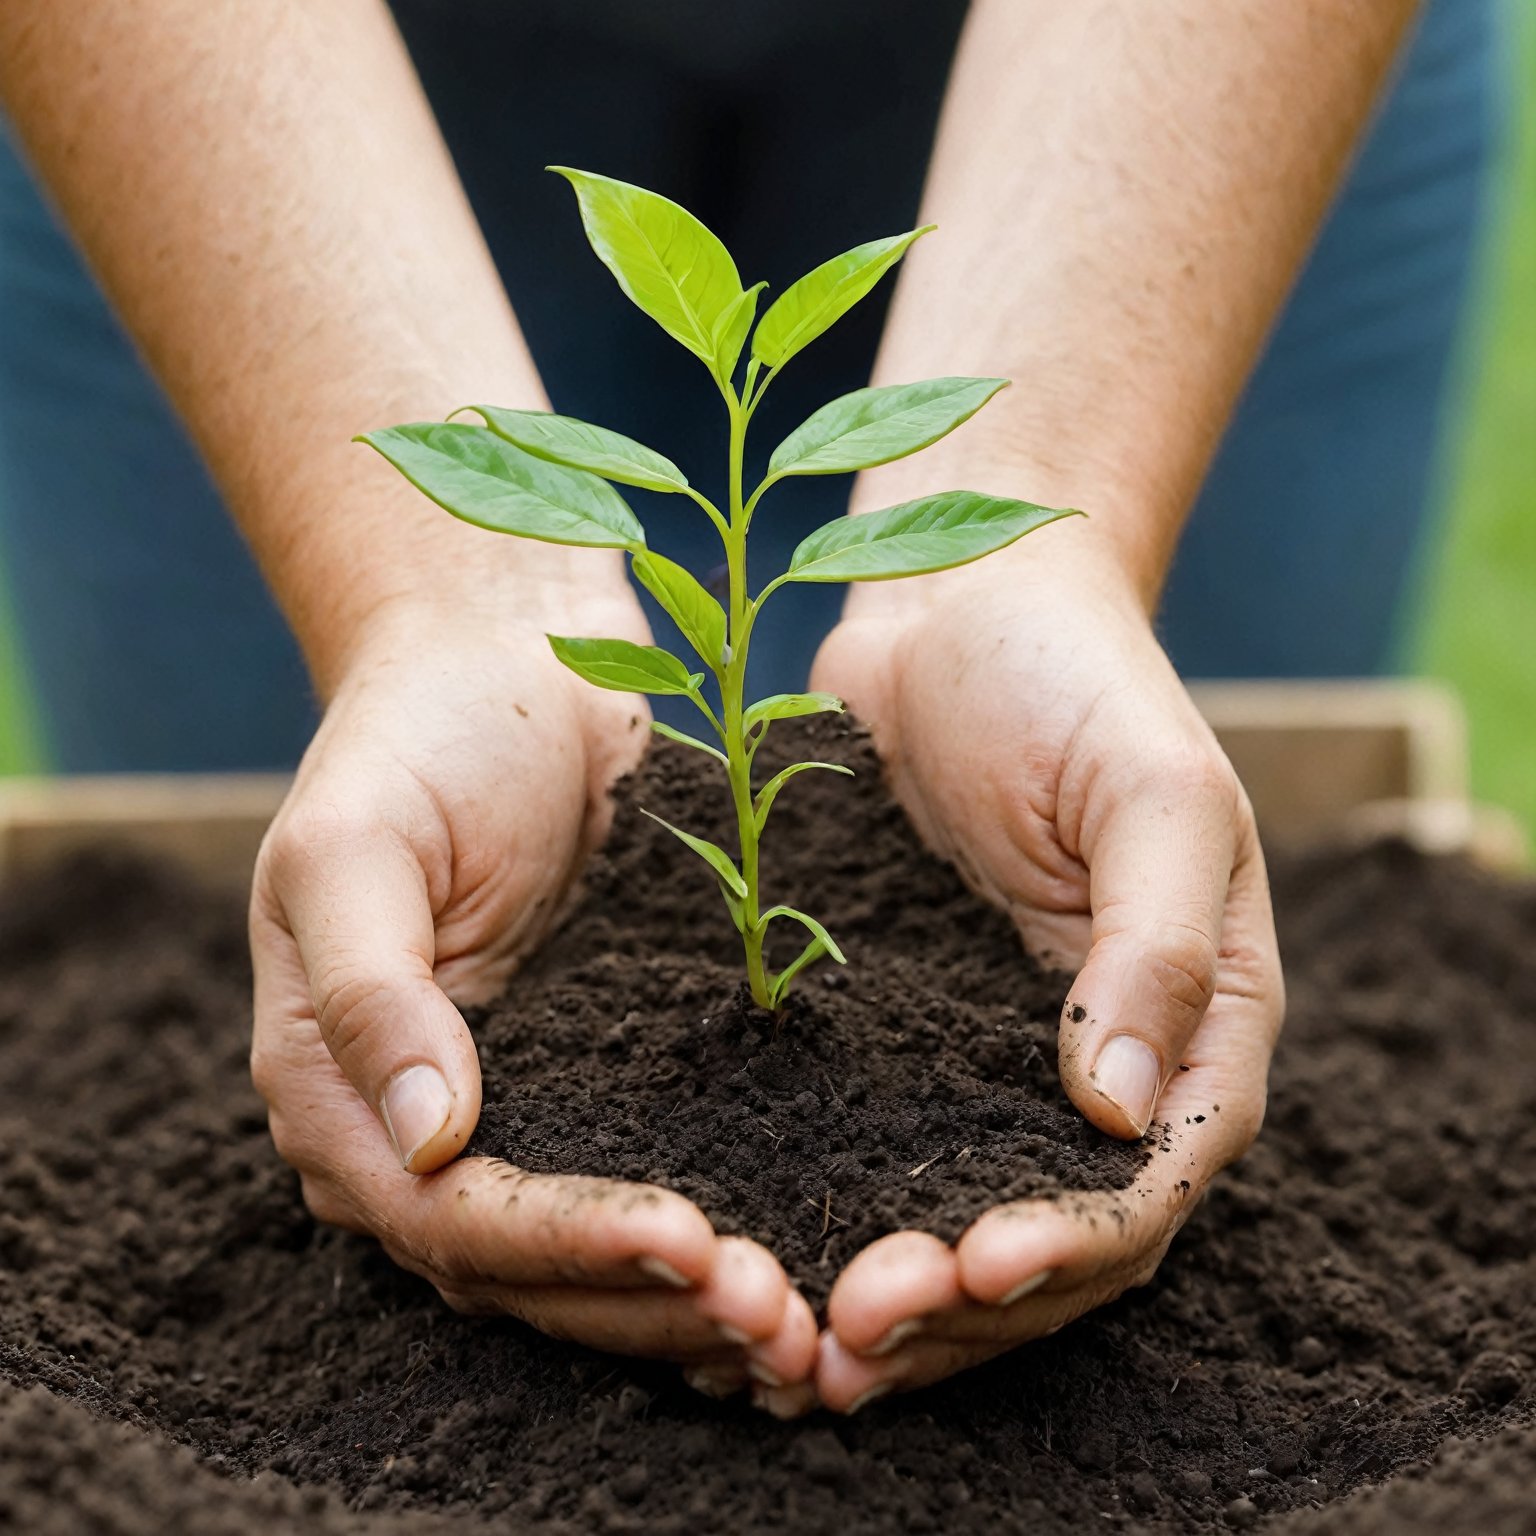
(1473,622)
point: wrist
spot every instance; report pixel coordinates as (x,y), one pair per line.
(366,556)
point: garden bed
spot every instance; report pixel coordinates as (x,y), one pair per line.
(181,1348)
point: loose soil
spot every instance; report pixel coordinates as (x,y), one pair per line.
(1340,1342)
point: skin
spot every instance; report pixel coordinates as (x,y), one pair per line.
(1117,238)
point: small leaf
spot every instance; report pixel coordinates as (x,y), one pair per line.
(472,473)
(770,791)
(684,739)
(697,614)
(790,706)
(624,666)
(931,534)
(779,986)
(810,306)
(668,263)
(565,440)
(874,426)
(716,857)
(822,943)
(731,331)
(816,930)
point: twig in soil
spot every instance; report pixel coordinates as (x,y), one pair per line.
(912,1173)
(827,1216)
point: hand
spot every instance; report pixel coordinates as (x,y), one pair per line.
(434,829)
(1039,737)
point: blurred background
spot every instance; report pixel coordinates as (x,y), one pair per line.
(1471,618)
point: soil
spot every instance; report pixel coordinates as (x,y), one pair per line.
(1341,1341)
(915,1089)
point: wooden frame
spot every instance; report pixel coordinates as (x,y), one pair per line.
(1320,760)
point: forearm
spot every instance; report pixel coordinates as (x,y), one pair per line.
(265,196)
(1124,193)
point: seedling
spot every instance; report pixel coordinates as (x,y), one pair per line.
(549,477)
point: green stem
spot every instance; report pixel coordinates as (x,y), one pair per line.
(732,685)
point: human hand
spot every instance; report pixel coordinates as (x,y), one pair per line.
(1039,737)
(433,832)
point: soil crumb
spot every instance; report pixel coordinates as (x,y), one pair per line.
(1339,1344)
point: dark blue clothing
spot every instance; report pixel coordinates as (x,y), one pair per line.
(795,130)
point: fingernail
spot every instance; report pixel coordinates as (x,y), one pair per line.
(760,1372)
(782,1402)
(1025,1287)
(875,1393)
(733,1335)
(1127,1073)
(707,1383)
(659,1269)
(895,1338)
(416,1107)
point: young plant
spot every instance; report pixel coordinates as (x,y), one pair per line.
(549,477)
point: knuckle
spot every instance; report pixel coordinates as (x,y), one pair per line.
(1182,960)
(1193,771)
(306,833)
(323,1203)
(266,1071)
(349,1004)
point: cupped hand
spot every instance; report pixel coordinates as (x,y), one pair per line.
(434,830)
(1040,738)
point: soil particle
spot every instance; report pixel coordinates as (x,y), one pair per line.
(1340,1341)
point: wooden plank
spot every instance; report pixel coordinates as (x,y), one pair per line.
(211,823)
(1319,759)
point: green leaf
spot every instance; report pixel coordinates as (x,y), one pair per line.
(624,666)
(931,534)
(822,943)
(816,930)
(716,857)
(731,331)
(874,426)
(698,615)
(472,473)
(807,308)
(770,791)
(790,706)
(565,440)
(668,263)
(684,739)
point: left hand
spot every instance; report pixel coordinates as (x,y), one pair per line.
(1039,737)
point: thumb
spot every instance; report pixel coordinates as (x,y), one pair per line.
(354,897)
(1159,867)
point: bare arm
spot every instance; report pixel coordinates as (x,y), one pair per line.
(1124,193)
(263,192)
(265,196)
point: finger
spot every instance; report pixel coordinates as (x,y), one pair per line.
(484,1223)
(886,1289)
(354,897)
(654,1324)
(777,1368)
(747,1293)
(788,1358)
(1159,866)
(1094,1241)
(787,1402)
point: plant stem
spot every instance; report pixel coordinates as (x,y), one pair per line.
(732,685)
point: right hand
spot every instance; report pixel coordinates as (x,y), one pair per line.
(432,835)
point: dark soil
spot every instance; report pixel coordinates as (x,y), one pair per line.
(1341,1341)
(917,1089)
